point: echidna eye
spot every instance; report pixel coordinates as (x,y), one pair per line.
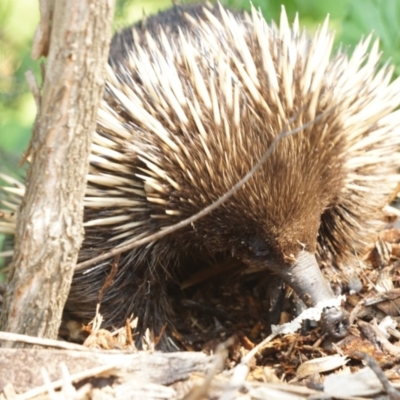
(259,247)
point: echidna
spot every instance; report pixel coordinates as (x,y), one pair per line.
(194,98)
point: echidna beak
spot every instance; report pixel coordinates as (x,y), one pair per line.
(306,279)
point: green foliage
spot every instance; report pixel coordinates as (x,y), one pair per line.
(17,109)
(129,11)
(380,16)
(311,12)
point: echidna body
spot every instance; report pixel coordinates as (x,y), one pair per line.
(188,112)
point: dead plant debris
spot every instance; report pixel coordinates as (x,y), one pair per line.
(226,348)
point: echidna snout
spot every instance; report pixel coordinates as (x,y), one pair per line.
(302,273)
(306,279)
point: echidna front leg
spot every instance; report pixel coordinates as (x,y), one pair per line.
(306,279)
(138,289)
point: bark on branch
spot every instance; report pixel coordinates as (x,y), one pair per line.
(49,231)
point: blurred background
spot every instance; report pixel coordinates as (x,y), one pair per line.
(351,19)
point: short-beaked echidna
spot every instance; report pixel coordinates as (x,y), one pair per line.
(194,98)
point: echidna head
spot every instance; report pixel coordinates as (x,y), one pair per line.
(279,212)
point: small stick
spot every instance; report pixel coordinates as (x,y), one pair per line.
(389,389)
